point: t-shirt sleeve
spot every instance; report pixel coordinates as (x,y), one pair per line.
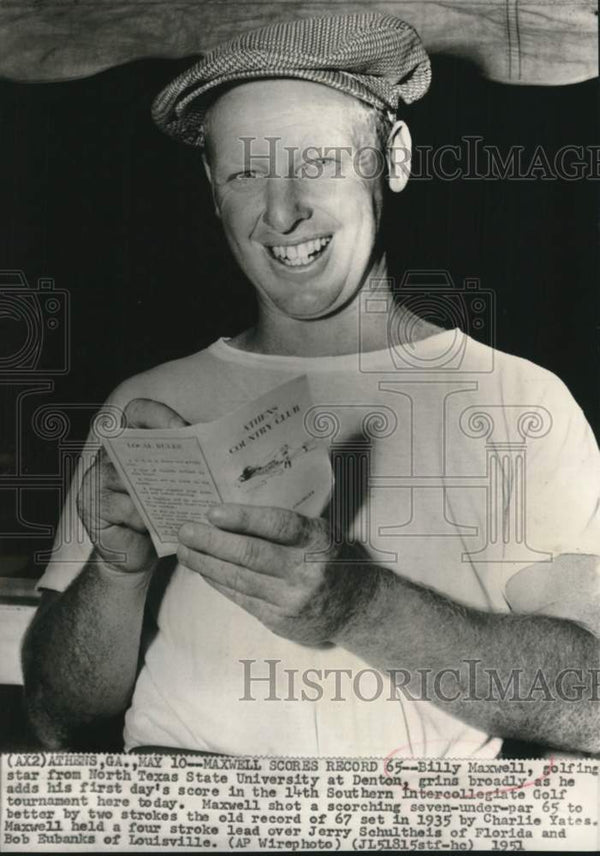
(562,518)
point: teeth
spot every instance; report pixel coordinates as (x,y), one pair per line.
(299,254)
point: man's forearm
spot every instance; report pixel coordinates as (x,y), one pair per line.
(506,674)
(81,652)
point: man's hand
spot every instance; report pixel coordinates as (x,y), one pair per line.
(116,529)
(263,559)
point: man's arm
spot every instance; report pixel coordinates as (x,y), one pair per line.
(81,652)
(257,557)
(529,677)
(80,655)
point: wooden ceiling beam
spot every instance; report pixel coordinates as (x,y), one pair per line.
(542,42)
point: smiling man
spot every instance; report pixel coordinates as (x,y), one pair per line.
(300,215)
(276,631)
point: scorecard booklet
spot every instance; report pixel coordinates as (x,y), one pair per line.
(261,454)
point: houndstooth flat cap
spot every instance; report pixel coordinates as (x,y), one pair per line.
(377,58)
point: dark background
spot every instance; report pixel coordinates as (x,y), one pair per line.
(120,217)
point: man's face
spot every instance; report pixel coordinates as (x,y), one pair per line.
(303,237)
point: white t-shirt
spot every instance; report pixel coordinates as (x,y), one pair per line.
(456,465)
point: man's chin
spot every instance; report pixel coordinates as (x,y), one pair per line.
(312,311)
(305,299)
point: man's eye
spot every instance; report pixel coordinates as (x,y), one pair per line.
(323,162)
(246,175)
(316,167)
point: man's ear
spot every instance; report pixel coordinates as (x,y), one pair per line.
(208,172)
(399,152)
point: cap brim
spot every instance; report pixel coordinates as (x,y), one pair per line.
(181,117)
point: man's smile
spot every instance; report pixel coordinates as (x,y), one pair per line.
(299,254)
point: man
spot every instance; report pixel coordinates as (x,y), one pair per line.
(433,567)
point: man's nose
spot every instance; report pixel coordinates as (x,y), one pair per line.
(285,204)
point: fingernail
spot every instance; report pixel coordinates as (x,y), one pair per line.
(186,532)
(217,513)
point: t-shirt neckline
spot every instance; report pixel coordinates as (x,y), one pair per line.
(422,347)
